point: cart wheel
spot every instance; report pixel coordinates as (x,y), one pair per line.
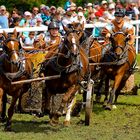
(89,103)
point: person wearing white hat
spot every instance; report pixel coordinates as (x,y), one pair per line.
(81,19)
(103,2)
(67,19)
(111,11)
(87,10)
(26,22)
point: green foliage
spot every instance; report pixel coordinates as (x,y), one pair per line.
(23,5)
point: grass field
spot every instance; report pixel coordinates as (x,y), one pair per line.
(122,123)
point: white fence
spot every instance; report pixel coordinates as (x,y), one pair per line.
(136,23)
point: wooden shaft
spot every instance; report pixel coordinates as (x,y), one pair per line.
(35,79)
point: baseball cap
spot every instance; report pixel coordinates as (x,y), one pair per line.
(52,8)
(104,2)
(27,13)
(45,8)
(2,7)
(111,6)
(89,4)
(39,19)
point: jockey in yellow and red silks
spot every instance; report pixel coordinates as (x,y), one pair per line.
(120,25)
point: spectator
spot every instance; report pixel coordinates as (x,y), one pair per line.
(58,18)
(46,16)
(25,22)
(4,23)
(73,9)
(30,39)
(103,8)
(41,8)
(15,23)
(79,9)
(96,7)
(111,11)
(67,4)
(35,15)
(39,22)
(132,12)
(81,18)
(109,14)
(52,11)
(14,14)
(92,18)
(89,10)
(119,5)
(67,19)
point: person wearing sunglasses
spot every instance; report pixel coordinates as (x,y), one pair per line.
(119,24)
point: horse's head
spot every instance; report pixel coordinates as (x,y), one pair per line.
(74,33)
(119,43)
(11,47)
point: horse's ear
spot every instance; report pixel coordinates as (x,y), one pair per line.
(5,34)
(82,25)
(65,28)
(15,33)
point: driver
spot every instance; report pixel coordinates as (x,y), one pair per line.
(53,40)
(120,25)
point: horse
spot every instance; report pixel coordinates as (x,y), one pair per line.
(72,64)
(118,64)
(14,67)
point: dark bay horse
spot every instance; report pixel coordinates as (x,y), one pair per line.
(71,63)
(14,67)
(119,65)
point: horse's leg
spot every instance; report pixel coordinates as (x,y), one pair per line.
(99,90)
(11,111)
(3,114)
(19,107)
(1,101)
(116,84)
(106,92)
(67,97)
(68,113)
(46,97)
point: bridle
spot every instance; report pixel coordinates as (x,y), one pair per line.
(123,48)
(12,52)
(71,47)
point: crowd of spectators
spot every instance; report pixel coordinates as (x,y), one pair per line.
(43,15)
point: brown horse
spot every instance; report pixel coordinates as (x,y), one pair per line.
(119,64)
(71,63)
(14,67)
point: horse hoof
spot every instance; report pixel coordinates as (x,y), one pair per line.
(53,122)
(108,107)
(114,107)
(66,123)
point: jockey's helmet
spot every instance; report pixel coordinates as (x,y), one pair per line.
(119,13)
(53,25)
